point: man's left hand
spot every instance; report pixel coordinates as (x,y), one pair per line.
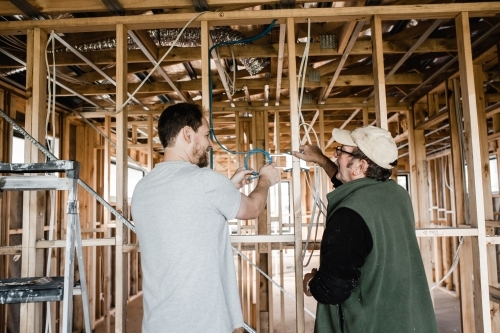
(308,277)
(240,177)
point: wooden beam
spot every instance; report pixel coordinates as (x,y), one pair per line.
(344,14)
(297,217)
(34,201)
(486,181)
(193,85)
(475,187)
(184,54)
(121,270)
(279,73)
(263,254)
(107,260)
(419,187)
(379,73)
(205,57)
(433,121)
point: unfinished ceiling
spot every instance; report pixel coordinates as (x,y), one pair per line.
(419,56)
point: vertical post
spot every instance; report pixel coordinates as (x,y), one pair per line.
(420,189)
(475,188)
(277,132)
(378,72)
(34,201)
(107,233)
(365,116)
(263,228)
(121,272)
(486,181)
(295,138)
(205,88)
(150,142)
(465,263)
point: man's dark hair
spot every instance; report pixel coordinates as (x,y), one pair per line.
(176,117)
(374,170)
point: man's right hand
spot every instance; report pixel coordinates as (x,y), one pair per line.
(310,153)
(269,173)
(313,154)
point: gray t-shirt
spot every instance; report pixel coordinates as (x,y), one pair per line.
(180,213)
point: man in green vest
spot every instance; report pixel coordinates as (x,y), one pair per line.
(371,277)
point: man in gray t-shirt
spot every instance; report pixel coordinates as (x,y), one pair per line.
(180,210)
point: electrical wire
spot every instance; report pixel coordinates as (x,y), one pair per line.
(52,101)
(458,112)
(51,109)
(159,62)
(301,75)
(453,266)
(446,173)
(255,174)
(212,132)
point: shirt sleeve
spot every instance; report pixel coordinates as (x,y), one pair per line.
(346,243)
(222,194)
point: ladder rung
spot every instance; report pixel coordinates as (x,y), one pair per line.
(31,289)
(28,183)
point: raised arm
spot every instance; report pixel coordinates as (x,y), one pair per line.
(253,204)
(313,154)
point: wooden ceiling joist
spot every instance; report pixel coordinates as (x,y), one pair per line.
(343,14)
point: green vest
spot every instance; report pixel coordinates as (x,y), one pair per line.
(392,295)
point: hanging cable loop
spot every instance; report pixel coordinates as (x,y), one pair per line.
(255,174)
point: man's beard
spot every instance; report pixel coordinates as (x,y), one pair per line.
(202,156)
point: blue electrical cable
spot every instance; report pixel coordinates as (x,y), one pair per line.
(212,133)
(255,174)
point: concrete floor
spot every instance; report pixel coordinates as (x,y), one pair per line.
(447,307)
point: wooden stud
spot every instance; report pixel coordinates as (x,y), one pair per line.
(420,190)
(107,232)
(465,290)
(205,58)
(475,188)
(150,153)
(486,181)
(121,271)
(297,211)
(378,73)
(34,201)
(261,129)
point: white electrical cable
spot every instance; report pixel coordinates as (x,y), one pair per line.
(159,62)
(51,146)
(446,171)
(317,200)
(50,89)
(302,73)
(452,268)
(54,84)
